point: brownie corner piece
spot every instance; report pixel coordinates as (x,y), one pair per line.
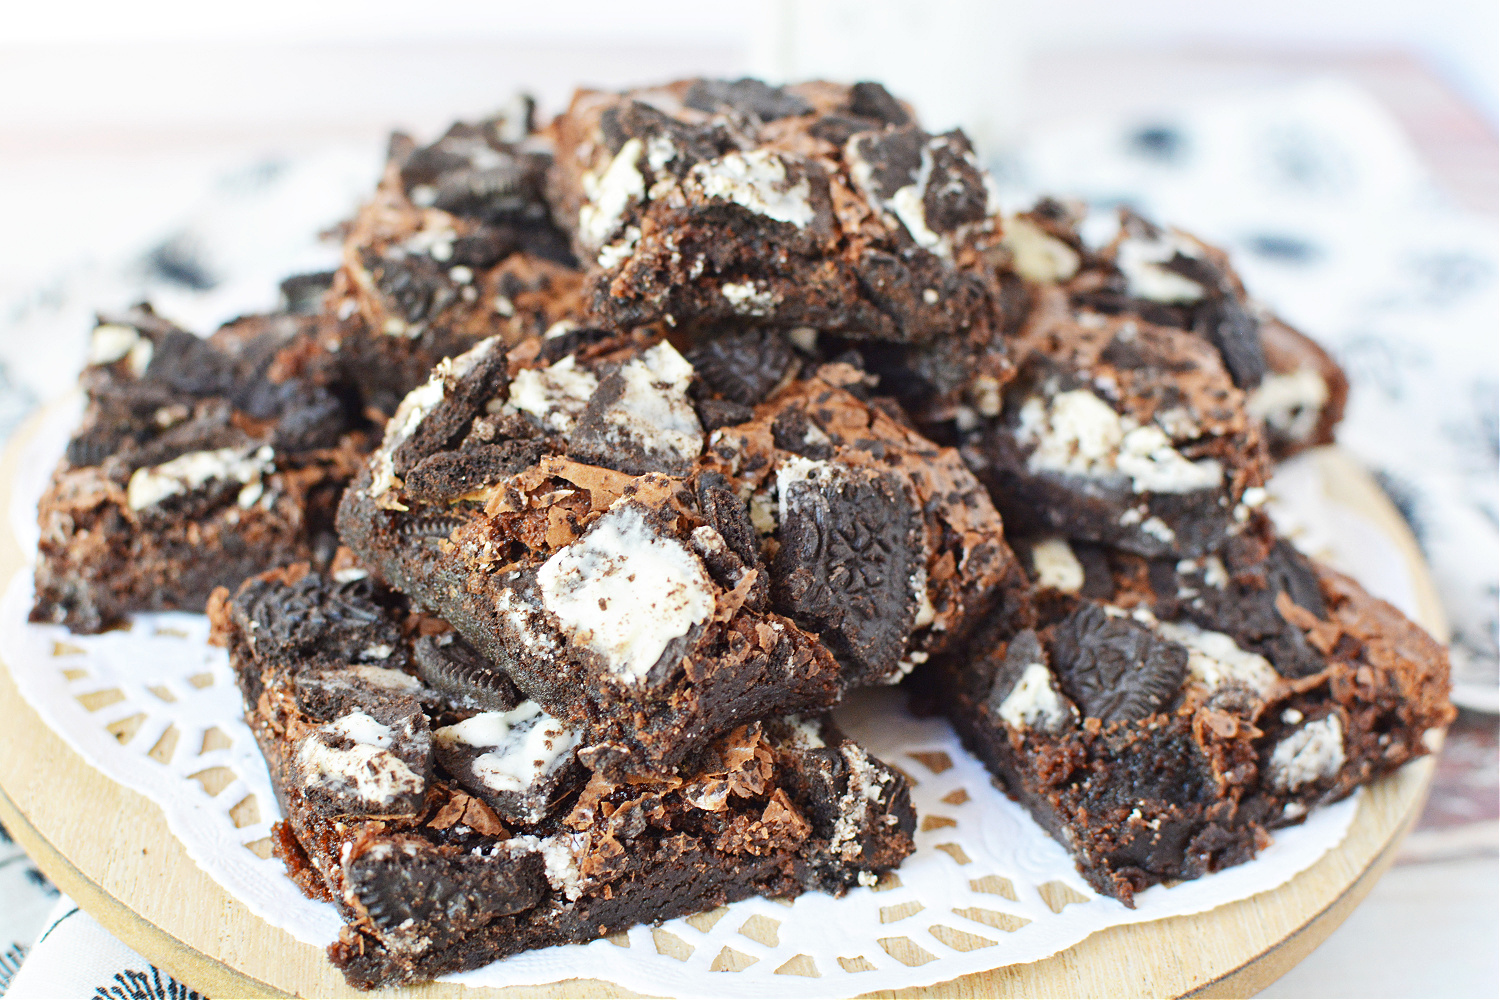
(1161,717)
(198,462)
(454,825)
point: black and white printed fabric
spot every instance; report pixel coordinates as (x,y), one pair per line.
(76,957)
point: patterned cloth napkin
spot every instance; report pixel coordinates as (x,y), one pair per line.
(1313,189)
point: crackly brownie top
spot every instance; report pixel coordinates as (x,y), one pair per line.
(1121,638)
(816,169)
(577,462)
(171,414)
(1119,430)
(1109,397)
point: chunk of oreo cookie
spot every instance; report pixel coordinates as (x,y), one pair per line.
(726,513)
(318,624)
(449,475)
(189,364)
(412,890)
(743,366)
(747,95)
(956,193)
(519,762)
(871,100)
(447,663)
(1114,668)
(374,760)
(640,418)
(850,553)
(462,385)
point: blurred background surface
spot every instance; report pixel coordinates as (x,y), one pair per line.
(1345,152)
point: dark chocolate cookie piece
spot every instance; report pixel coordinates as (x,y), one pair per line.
(188,364)
(422,897)
(1116,669)
(849,558)
(747,95)
(316,623)
(742,366)
(461,386)
(871,100)
(447,663)
(325,695)
(449,475)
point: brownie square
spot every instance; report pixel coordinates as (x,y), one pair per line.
(1161,716)
(564,508)
(825,209)
(198,463)
(452,832)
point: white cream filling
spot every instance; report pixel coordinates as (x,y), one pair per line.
(1056,566)
(1291,404)
(522,746)
(748,299)
(610,195)
(112,341)
(625,592)
(1033,702)
(372,771)
(1313,753)
(616,252)
(559,854)
(908,204)
(866,786)
(385,678)
(246,466)
(1036,255)
(756,180)
(556,396)
(654,409)
(1140,260)
(1078,433)
(1215,660)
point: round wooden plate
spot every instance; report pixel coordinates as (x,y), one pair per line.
(110,849)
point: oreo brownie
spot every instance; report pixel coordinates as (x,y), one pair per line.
(1170,278)
(1161,716)
(566,508)
(453,823)
(198,463)
(457,245)
(1119,431)
(819,208)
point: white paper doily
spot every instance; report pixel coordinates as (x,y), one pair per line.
(156,709)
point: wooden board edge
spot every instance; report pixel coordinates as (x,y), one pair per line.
(186,964)
(1281,958)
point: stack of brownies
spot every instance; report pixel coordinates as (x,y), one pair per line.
(545,532)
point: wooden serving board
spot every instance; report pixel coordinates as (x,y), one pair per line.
(110,849)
